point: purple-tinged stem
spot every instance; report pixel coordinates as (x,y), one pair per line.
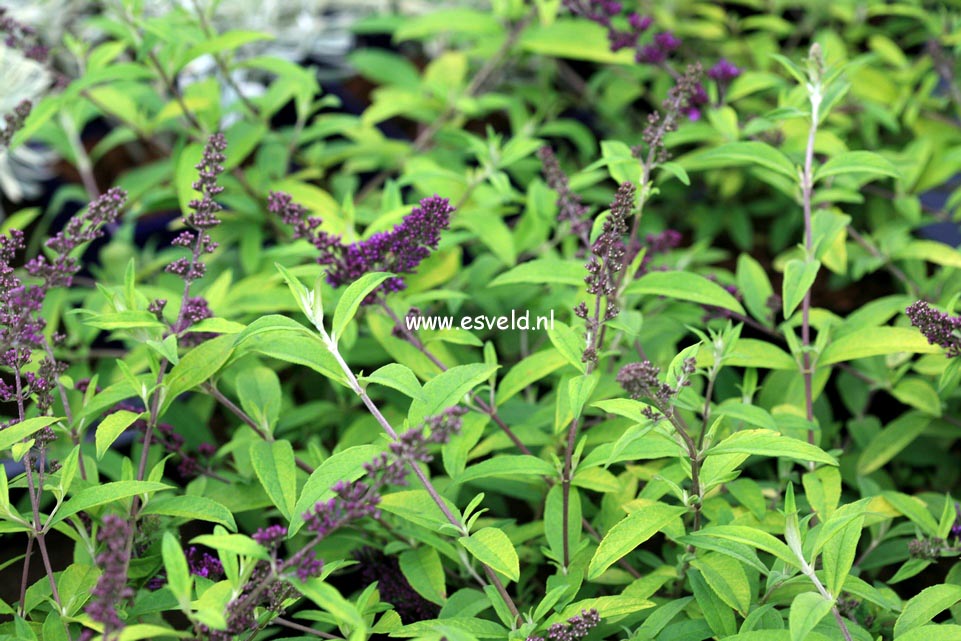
(431,490)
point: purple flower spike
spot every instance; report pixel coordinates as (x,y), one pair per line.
(400,250)
(111,587)
(14,122)
(724,71)
(203,214)
(577,627)
(939,328)
(639,23)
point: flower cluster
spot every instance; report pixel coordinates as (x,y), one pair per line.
(21,319)
(82,228)
(111,587)
(204,564)
(576,627)
(13,122)
(203,214)
(199,563)
(606,261)
(400,250)
(570,209)
(926,549)
(724,71)
(608,14)
(605,13)
(656,244)
(20,327)
(712,311)
(21,37)
(939,328)
(684,98)
(663,44)
(269,586)
(640,380)
(354,501)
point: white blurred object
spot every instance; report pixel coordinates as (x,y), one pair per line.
(23,169)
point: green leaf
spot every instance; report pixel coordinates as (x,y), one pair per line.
(876,341)
(423,570)
(891,441)
(773,444)
(838,554)
(749,536)
(543,271)
(727,578)
(573,39)
(931,251)
(258,389)
(913,508)
(274,465)
(630,532)
(191,507)
(447,389)
(236,543)
(24,429)
(685,286)
(220,43)
(101,494)
(799,275)
(807,610)
(286,339)
(755,286)
(856,162)
(417,506)
(918,393)
(129,319)
(178,574)
(351,299)
(719,616)
(111,427)
(736,154)
(750,352)
(454,628)
(398,377)
(491,547)
(933,632)
(454,20)
(568,343)
(197,366)
(347,465)
(528,371)
(579,390)
(924,606)
(507,465)
(751,414)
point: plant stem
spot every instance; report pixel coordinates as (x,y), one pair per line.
(490,409)
(24,577)
(485,407)
(219,396)
(894,270)
(67,412)
(807,191)
(222,65)
(431,490)
(34,494)
(293,625)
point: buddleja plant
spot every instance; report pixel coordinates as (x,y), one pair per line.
(245,431)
